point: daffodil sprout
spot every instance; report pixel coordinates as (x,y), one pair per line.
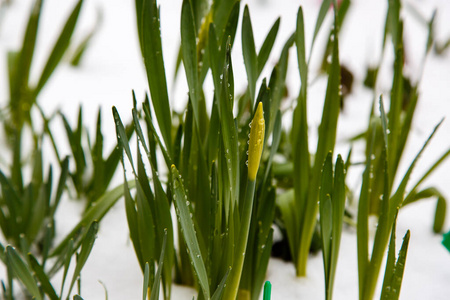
(256,142)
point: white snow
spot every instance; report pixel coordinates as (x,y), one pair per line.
(112,67)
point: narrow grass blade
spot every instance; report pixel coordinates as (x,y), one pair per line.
(190,61)
(156,283)
(21,69)
(219,291)
(398,196)
(326,216)
(392,291)
(154,64)
(22,272)
(188,231)
(362,229)
(86,247)
(146,281)
(267,46)
(390,262)
(228,125)
(61,186)
(43,278)
(249,53)
(320,18)
(301,161)
(60,47)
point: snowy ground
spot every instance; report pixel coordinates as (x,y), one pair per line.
(112,67)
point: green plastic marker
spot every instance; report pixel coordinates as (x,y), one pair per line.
(445,241)
(267,290)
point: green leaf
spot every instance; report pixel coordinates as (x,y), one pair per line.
(81,48)
(22,66)
(22,272)
(60,47)
(156,283)
(249,53)
(392,290)
(320,18)
(188,231)
(326,215)
(86,247)
(190,61)
(228,125)
(267,46)
(146,281)
(122,138)
(398,196)
(42,277)
(154,64)
(219,291)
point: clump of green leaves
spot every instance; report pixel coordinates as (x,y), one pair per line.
(299,209)
(224,212)
(331,207)
(385,143)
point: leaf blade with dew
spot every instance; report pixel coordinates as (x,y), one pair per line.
(154,64)
(228,125)
(122,138)
(42,277)
(249,53)
(189,56)
(301,160)
(159,204)
(326,142)
(326,216)
(338,207)
(188,231)
(22,272)
(155,289)
(59,48)
(397,276)
(362,229)
(390,263)
(219,291)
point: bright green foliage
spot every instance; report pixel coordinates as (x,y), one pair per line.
(93,172)
(299,212)
(386,138)
(22,95)
(220,213)
(394,270)
(32,274)
(332,205)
